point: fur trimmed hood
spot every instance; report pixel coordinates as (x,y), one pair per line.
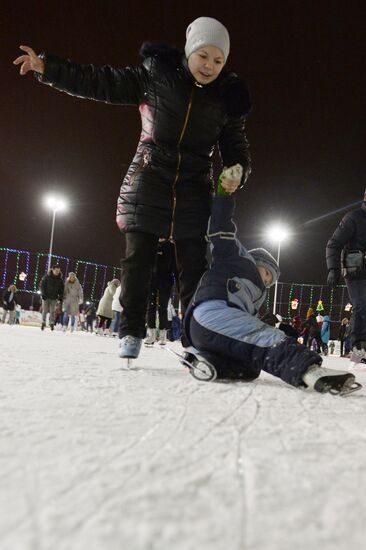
(151,49)
(231,88)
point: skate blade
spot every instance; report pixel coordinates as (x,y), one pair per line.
(130,363)
(198,366)
(342,385)
(200,370)
(346,390)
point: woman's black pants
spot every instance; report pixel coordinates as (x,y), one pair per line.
(137,267)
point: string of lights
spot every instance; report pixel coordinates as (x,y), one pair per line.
(301,298)
(84,276)
(281,293)
(94,283)
(340,312)
(5,265)
(35,287)
(331,301)
(290,298)
(17,268)
(27,262)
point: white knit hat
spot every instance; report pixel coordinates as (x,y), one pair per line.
(206,31)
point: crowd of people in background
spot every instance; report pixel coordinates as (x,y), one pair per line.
(63,308)
(315,331)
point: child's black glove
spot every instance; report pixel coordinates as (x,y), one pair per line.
(269,318)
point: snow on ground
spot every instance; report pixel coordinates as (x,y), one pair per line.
(94,457)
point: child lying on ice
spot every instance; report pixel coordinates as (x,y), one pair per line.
(222,324)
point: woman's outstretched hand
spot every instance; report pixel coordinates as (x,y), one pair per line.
(29,61)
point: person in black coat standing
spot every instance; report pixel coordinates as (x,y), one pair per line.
(52,289)
(345,254)
(188,105)
(9,302)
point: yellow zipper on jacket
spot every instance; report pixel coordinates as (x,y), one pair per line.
(179,162)
(143,162)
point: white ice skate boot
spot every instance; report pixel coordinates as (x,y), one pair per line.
(162,337)
(336,382)
(150,337)
(129,348)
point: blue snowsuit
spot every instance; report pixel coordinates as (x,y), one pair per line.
(221,321)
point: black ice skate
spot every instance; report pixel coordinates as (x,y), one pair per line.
(336,382)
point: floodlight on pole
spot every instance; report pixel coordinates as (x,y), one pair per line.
(55,204)
(277,233)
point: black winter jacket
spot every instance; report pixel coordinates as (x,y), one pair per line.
(349,235)
(52,287)
(168,185)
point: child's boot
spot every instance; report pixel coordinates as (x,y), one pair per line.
(325,380)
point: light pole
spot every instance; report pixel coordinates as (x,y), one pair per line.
(277,233)
(55,204)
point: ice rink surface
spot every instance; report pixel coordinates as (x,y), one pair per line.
(94,457)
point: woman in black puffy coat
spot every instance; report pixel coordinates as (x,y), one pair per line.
(188,105)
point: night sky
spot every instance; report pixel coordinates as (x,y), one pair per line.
(303,61)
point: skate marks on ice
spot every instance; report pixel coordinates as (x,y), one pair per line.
(100,458)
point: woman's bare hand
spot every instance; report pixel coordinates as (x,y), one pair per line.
(29,62)
(231,178)
(230,185)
